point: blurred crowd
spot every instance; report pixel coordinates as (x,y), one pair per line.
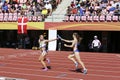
(29,7)
(94,7)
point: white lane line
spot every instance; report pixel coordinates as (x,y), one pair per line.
(88,63)
(65,58)
(9,78)
(58,64)
(17,55)
(61,59)
(40,75)
(56,71)
(110,76)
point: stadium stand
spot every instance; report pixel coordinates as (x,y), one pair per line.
(36,10)
(93,11)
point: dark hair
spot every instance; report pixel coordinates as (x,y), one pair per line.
(77,37)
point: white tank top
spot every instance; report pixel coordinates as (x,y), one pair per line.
(42,44)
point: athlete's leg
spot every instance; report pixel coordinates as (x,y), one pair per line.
(47,59)
(71,57)
(80,62)
(42,58)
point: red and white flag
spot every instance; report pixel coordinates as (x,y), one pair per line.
(22,25)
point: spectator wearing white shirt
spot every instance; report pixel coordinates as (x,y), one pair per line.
(96,44)
(1,3)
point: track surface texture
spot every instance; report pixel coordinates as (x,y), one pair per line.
(24,64)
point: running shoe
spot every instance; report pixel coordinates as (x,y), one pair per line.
(85,71)
(45,69)
(76,65)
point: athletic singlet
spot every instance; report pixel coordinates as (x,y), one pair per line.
(42,44)
(76,46)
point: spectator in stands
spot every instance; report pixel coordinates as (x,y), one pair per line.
(28,6)
(31,10)
(88,3)
(97,9)
(54,5)
(24,6)
(14,1)
(72,4)
(93,2)
(77,4)
(111,11)
(91,9)
(69,11)
(87,12)
(48,6)
(113,3)
(1,3)
(118,3)
(34,2)
(103,5)
(104,12)
(13,8)
(117,10)
(108,6)
(105,1)
(81,11)
(38,8)
(44,13)
(18,8)
(74,10)
(5,8)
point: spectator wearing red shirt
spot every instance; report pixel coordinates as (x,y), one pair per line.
(74,10)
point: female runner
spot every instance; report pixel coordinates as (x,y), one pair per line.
(75,43)
(42,46)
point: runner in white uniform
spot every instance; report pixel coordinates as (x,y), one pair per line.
(43,51)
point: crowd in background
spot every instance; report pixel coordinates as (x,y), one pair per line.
(29,7)
(94,7)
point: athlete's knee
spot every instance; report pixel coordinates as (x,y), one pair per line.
(41,61)
(69,57)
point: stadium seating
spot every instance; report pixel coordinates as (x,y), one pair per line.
(89,12)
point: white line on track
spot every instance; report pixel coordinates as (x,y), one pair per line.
(40,75)
(58,71)
(64,64)
(95,59)
(110,76)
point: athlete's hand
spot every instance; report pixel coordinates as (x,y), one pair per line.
(65,45)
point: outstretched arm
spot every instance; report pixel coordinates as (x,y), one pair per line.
(69,41)
(50,40)
(72,45)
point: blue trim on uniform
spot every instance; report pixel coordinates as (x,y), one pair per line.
(76,50)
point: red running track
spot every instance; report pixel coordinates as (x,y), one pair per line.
(24,64)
